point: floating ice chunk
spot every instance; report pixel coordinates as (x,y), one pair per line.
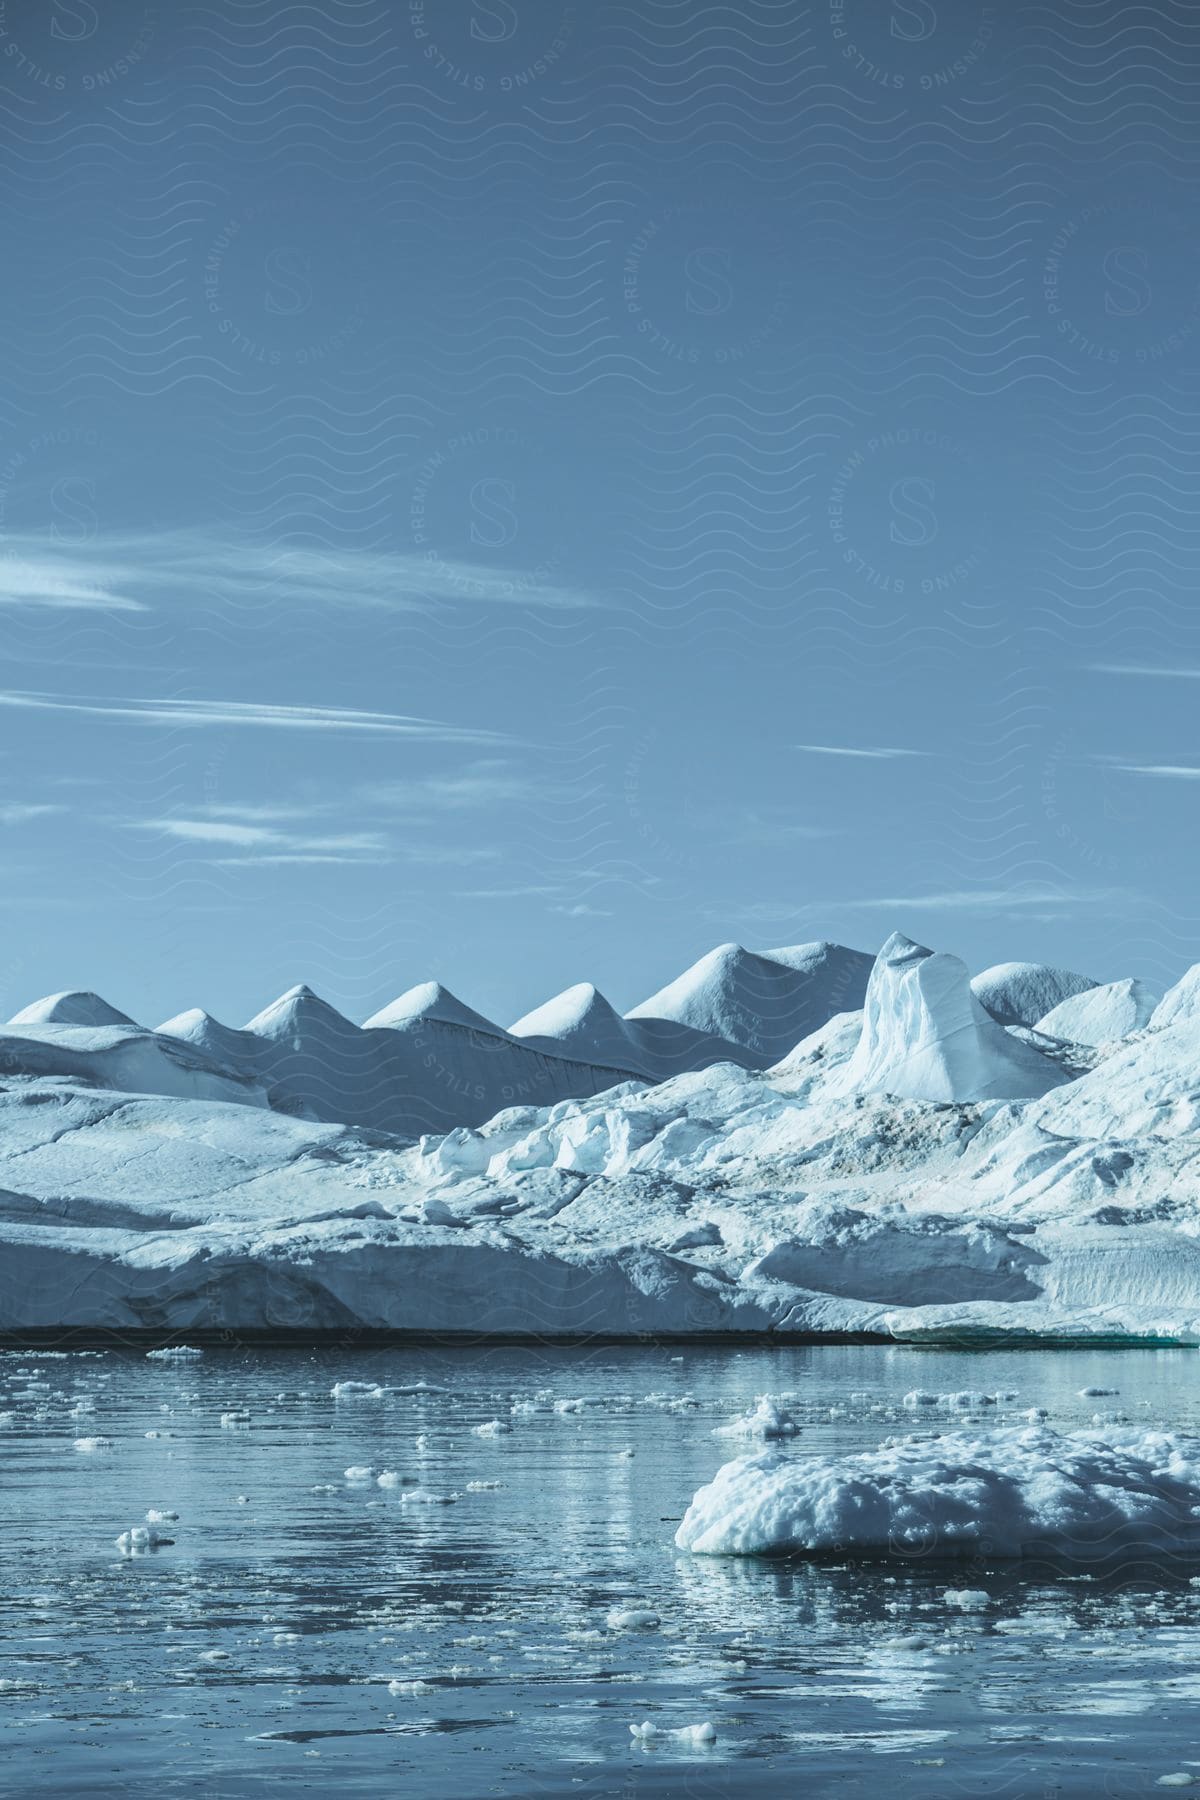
(569,1406)
(768,1420)
(161,1516)
(388,1478)
(174,1353)
(1036,1414)
(229,1420)
(648,1732)
(1096,1393)
(358,1472)
(139,1538)
(632,1618)
(482,1487)
(409,1690)
(494,1428)
(88,1444)
(919,1397)
(1018,1490)
(967,1599)
(357,1390)
(419,1496)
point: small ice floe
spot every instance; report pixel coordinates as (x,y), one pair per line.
(632,1618)
(649,1733)
(768,1420)
(967,1599)
(967,1400)
(494,1428)
(420,1496)
(1097,1393)
(154,1434)
(139,1538)
(230,1420)
(213,1656)
(1036,1414)
(358,1472)
(387,1478)
(161,1516)
(569,1406)
(1179,1778)
(357,1390)
(174,1353)
(482,1487)
(88,1444)
(409,1690)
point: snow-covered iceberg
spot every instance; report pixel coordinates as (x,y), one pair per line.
(1086,1496)
(909,1168)
(1101,1015)
(925,1036)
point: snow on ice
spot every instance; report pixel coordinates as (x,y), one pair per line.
(802,1141)
(1005,1493)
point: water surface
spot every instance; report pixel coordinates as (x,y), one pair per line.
(253,1653)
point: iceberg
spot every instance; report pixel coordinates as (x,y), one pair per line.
(1101,1015)
(909,1168)
(1021,993)
(925,1035)
(1018,1492)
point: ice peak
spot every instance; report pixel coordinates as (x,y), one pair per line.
(297,1010)
(74,1007)
(428,1000)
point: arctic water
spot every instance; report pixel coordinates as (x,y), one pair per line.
(495,1615)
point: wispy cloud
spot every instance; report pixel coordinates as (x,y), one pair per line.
(580,911)
(132,572)
(260,714)
(988,899)
(1154,671)
(19,815)
(1167,771)
(275,845)
(51,581)
(872,752)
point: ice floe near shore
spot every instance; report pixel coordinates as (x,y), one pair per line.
(910,1167)
(1016,1492)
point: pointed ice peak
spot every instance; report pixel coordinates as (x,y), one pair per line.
(197,1027)
(926,1037)
(429,1000)
(580,1006)
(1180,1002)
(74,1007)
(297,1012)
(763,1003)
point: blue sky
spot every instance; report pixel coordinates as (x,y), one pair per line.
(523,493)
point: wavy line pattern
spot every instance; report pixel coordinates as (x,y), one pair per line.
(841,358)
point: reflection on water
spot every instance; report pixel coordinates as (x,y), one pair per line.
(447,1633)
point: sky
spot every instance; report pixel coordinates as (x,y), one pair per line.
(524,493)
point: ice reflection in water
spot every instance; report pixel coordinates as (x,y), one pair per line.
(444,1635)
